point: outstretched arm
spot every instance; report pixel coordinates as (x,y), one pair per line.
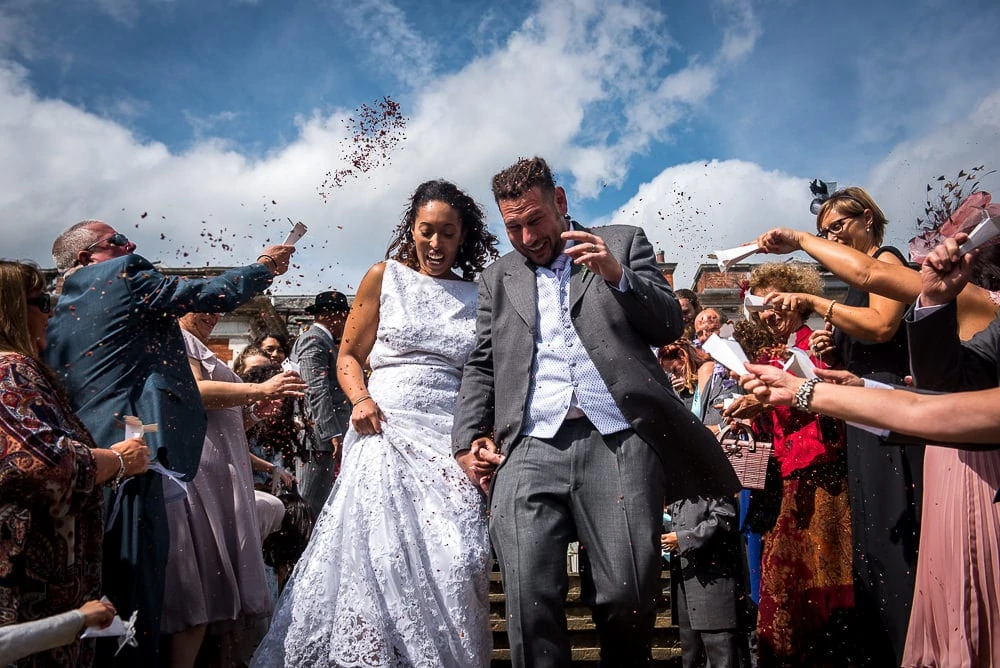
(962,417)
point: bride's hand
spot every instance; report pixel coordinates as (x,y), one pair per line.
(479,461)
(367,417)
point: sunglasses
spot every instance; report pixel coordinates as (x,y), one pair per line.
(836,227)
(43,302)
(116,239)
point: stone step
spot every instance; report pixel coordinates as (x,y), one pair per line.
(583,634)
(663,657)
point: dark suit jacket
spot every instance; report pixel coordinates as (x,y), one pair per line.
(709,563)
(940,361)
(115,341)
(618,330)
(326,404)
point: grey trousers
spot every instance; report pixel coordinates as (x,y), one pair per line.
(605,491)
(315,477)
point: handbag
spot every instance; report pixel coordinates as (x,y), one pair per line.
(747,455)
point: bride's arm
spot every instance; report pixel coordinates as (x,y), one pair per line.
(355,346)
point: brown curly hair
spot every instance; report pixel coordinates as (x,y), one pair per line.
(478,247)
(786,277)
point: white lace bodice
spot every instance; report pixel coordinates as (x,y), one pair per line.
(425,333)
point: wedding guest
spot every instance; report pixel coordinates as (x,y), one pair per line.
(51,475)
(216,588)
(18,641)
(273,344)
(885,482)
(806,591)
(115,343)
(690,308)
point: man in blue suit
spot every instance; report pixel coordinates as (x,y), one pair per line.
(115,341)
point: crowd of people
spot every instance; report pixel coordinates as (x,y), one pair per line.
(341,499)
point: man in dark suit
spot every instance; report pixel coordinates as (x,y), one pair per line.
(563,393)
(938,359)
(114,340)
(326,406)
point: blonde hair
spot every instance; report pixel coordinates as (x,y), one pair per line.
(17,280)
(787,277)
(852,202)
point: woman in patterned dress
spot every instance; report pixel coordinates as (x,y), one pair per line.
(50,476)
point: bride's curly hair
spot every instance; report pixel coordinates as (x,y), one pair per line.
(479,246)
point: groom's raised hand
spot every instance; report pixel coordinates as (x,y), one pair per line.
(479,461)
(591,251)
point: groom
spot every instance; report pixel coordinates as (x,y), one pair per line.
(564,397)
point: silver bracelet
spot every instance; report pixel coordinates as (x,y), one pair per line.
(120,476)
(803,396)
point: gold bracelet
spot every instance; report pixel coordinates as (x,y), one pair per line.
(363,397)
(829,311)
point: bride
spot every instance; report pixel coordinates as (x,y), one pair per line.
(396,573)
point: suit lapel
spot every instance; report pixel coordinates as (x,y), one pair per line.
(522,291)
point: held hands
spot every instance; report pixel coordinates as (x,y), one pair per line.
(276,258)
(480,461)
(780,241)
(590,251)
(97,613)
(770,384)
(944,272)
(135,454)
(367,417)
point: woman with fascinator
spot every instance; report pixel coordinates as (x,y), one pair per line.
(953,587)
(397,569)
(864,334)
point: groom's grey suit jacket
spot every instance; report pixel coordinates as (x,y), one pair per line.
(618,329)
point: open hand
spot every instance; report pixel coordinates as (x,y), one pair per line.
(284,384)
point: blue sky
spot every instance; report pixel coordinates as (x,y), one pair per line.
(701,120)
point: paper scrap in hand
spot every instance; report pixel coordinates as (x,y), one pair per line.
(799,364)
(289,365)
(297,233)
(730,256)
(726,352)
(134,428)
(114,629)
(983,233)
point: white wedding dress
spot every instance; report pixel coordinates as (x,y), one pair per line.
(397,571)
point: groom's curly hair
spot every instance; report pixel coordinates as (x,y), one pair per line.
(479,246)
(522,176)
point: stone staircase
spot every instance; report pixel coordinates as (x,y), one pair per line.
(583,635)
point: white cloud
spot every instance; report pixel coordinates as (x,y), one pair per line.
(692,209)
(557,87)
(394,46)
(899,181)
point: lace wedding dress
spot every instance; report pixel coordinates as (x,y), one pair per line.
(396,573)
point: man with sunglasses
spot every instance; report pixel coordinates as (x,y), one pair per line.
(115,341)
